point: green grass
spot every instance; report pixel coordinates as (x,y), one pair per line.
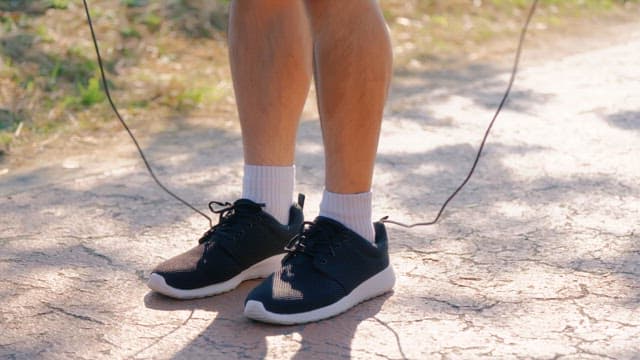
(151,21)
(87,95)
(191,97)
(9,122)
(453,28)
(59,4)
(169,58)
(134,3)
(130,32)
(6,139)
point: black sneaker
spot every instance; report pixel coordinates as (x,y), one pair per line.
(247,243)
(328,270)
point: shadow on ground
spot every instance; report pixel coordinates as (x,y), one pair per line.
(223,333)
(626,120)
(118,225)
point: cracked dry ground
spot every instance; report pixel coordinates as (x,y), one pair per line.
(539,257)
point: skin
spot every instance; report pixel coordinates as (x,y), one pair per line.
(274,47)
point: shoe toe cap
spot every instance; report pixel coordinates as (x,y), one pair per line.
(190,270)
(185,262)
(285,294)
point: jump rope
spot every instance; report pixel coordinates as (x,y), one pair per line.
(386,219)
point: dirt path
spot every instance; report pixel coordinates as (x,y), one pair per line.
(538,258)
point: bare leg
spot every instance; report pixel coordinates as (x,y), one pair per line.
(271,58)
(353,59)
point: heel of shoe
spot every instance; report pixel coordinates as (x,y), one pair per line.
(379,284)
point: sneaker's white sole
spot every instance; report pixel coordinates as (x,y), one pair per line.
(260,270)
(377,285)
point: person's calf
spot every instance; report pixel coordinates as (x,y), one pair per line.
(270,56)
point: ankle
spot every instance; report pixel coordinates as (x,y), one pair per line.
(272,186)
(351,210)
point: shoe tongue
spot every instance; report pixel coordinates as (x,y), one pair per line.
(322,231)
(318,238)
(247,205)
(327,223)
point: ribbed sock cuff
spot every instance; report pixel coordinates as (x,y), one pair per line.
(271,185)
(352,210)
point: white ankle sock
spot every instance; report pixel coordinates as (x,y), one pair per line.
(271,185)
(351,210)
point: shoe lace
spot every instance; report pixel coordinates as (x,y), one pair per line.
(314,239)
(228,220)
